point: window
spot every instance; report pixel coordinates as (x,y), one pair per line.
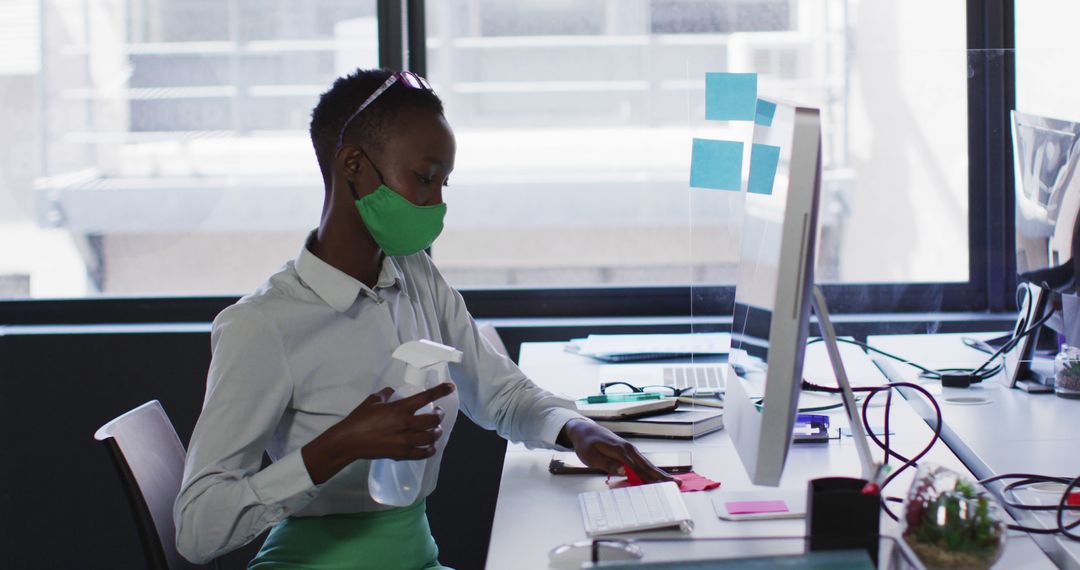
(574,122)
(166,151)
(1046,83)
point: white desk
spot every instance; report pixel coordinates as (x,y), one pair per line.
(1016,433)
(537,511)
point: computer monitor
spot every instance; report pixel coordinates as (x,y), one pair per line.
(1046,152)
(772,292)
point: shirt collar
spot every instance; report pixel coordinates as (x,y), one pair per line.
(335,287)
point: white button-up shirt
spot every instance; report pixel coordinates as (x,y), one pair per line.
(297,356)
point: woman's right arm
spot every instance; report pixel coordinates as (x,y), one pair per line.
(225,500)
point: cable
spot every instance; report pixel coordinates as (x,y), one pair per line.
(930,373)
(1022,479)
(888,408)
(1016,340)
(982,373)
(1025,479)
(1061,511)
(879,351)
(885,445)
(915,459)
(979,374)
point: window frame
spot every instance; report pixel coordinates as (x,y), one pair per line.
(991,243)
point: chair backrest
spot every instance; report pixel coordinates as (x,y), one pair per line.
(488,331)
(150,458)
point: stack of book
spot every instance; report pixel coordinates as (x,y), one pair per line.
(662,418)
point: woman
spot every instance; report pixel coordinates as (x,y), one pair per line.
(301,368)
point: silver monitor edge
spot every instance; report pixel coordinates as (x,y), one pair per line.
(762,438)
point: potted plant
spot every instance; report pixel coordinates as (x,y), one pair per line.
(1067,372)
(951,522)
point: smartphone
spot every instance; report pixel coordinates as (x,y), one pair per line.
(568,463)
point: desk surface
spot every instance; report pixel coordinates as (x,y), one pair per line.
(537,511)
(1016,432)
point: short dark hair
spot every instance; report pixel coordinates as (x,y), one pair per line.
(369,128)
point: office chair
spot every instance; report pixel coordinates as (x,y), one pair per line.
(491,334)
(150,459)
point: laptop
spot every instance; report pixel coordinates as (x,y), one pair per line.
(707,377)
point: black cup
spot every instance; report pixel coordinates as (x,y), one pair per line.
(840,517)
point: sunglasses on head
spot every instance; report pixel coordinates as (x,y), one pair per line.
(407,78)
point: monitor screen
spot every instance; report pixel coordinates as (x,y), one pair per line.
(1047,191)
(756,279)
(772,289)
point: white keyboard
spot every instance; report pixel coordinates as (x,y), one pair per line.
(629,509)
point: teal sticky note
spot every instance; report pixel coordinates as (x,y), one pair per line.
(716,164)
(763,160)
(730,96)
(764,114)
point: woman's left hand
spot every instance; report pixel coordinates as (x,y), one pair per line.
(599,448)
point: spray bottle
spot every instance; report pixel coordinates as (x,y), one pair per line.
(397,483)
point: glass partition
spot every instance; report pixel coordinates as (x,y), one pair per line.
(575,130)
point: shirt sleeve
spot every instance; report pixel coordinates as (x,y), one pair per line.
(225,499)
(494,392)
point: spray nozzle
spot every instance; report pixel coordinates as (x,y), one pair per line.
(420,355)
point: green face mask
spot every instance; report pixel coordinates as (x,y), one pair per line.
(397,225)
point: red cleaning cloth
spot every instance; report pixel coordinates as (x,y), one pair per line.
(632,477)
(688,482)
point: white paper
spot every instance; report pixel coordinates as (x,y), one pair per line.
(696,343)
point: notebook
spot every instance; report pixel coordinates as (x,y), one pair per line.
(683,423)
(626,410)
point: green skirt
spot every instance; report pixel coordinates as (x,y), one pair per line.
(384,540)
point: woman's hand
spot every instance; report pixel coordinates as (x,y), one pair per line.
(599,448)
(377,429)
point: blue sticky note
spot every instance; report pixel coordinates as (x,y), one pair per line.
(730,96)
(763,159)
(716,164)
(764,113)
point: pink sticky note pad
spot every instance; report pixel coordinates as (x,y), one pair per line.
(755,507)
(688,482)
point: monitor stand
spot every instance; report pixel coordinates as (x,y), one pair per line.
(1021,360)
(869,468)
(1036,381)
(1032,386)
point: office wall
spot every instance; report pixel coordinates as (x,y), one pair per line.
(61,499)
